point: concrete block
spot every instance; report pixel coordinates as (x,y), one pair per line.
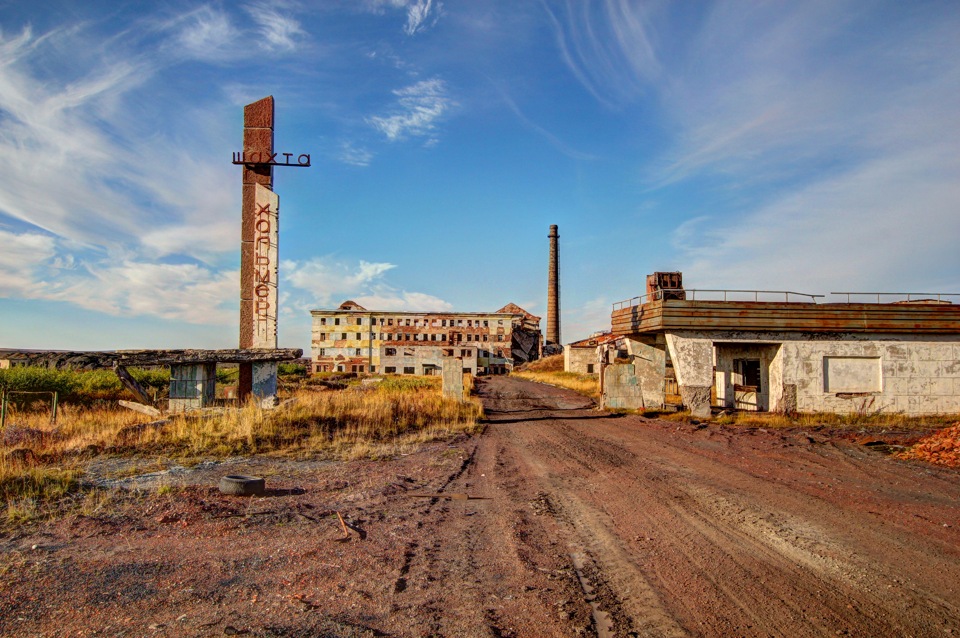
(621,388)
(949,405)
(928,368)
(897,386)
(950,368)
(264,387)
(692,359)
(899,352)
(906,368)
(452,371)
(696,399)
(941,387)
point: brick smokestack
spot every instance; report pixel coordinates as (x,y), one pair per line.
(553,290)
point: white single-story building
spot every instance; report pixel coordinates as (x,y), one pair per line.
(790,355)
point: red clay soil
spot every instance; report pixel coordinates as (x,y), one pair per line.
(558,520)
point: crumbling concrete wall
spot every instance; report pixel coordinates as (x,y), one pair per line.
(837,372)
(692,357)
(582,360)
(192,386)
(650,362)
(621,387)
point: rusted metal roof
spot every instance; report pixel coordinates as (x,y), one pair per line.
(675,314)
(591,342)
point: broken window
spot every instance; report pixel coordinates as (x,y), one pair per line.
(356,352)
(484,337)
(443,323)
(323,336)
(336,321)
(499,337)
(749,372)
(589,368)
(485,323)
(323,321)
(390,352)
(408,322)
(408,370)
(390,321)
(359,321)
(390,370)
(322,352)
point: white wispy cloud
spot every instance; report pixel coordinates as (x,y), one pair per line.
(22,262)
(554,141)
(350,154)
(279,31)
(418,108)
(105,187)
(859,141)
(421,14)
(607,47)
(38,266)
(207,33)
(386,298)
(328,279)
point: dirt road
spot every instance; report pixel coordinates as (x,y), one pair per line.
(559,520)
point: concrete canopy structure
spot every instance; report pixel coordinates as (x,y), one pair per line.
(793,354)
(354,339)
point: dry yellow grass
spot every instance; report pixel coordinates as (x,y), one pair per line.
(585,384)
(39,462)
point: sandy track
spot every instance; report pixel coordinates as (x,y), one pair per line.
(558,520)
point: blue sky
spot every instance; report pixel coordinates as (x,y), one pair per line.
(810,146)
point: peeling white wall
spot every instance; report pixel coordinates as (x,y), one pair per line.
(918,374)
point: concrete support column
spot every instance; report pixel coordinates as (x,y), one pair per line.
(264,382)
(693,364)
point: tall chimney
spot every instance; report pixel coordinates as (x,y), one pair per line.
(553,290)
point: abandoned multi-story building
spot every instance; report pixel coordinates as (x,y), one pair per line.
(790,352)
(354,339)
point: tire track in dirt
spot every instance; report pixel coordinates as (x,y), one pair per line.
(683,529)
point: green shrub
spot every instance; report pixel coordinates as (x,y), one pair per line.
(78,386)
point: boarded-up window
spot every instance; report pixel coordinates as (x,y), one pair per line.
(851,374)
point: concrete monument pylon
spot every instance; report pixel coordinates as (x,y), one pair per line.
(259,244)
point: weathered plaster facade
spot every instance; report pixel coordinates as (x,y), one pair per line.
(901,357)
(586,355)
(354,339)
